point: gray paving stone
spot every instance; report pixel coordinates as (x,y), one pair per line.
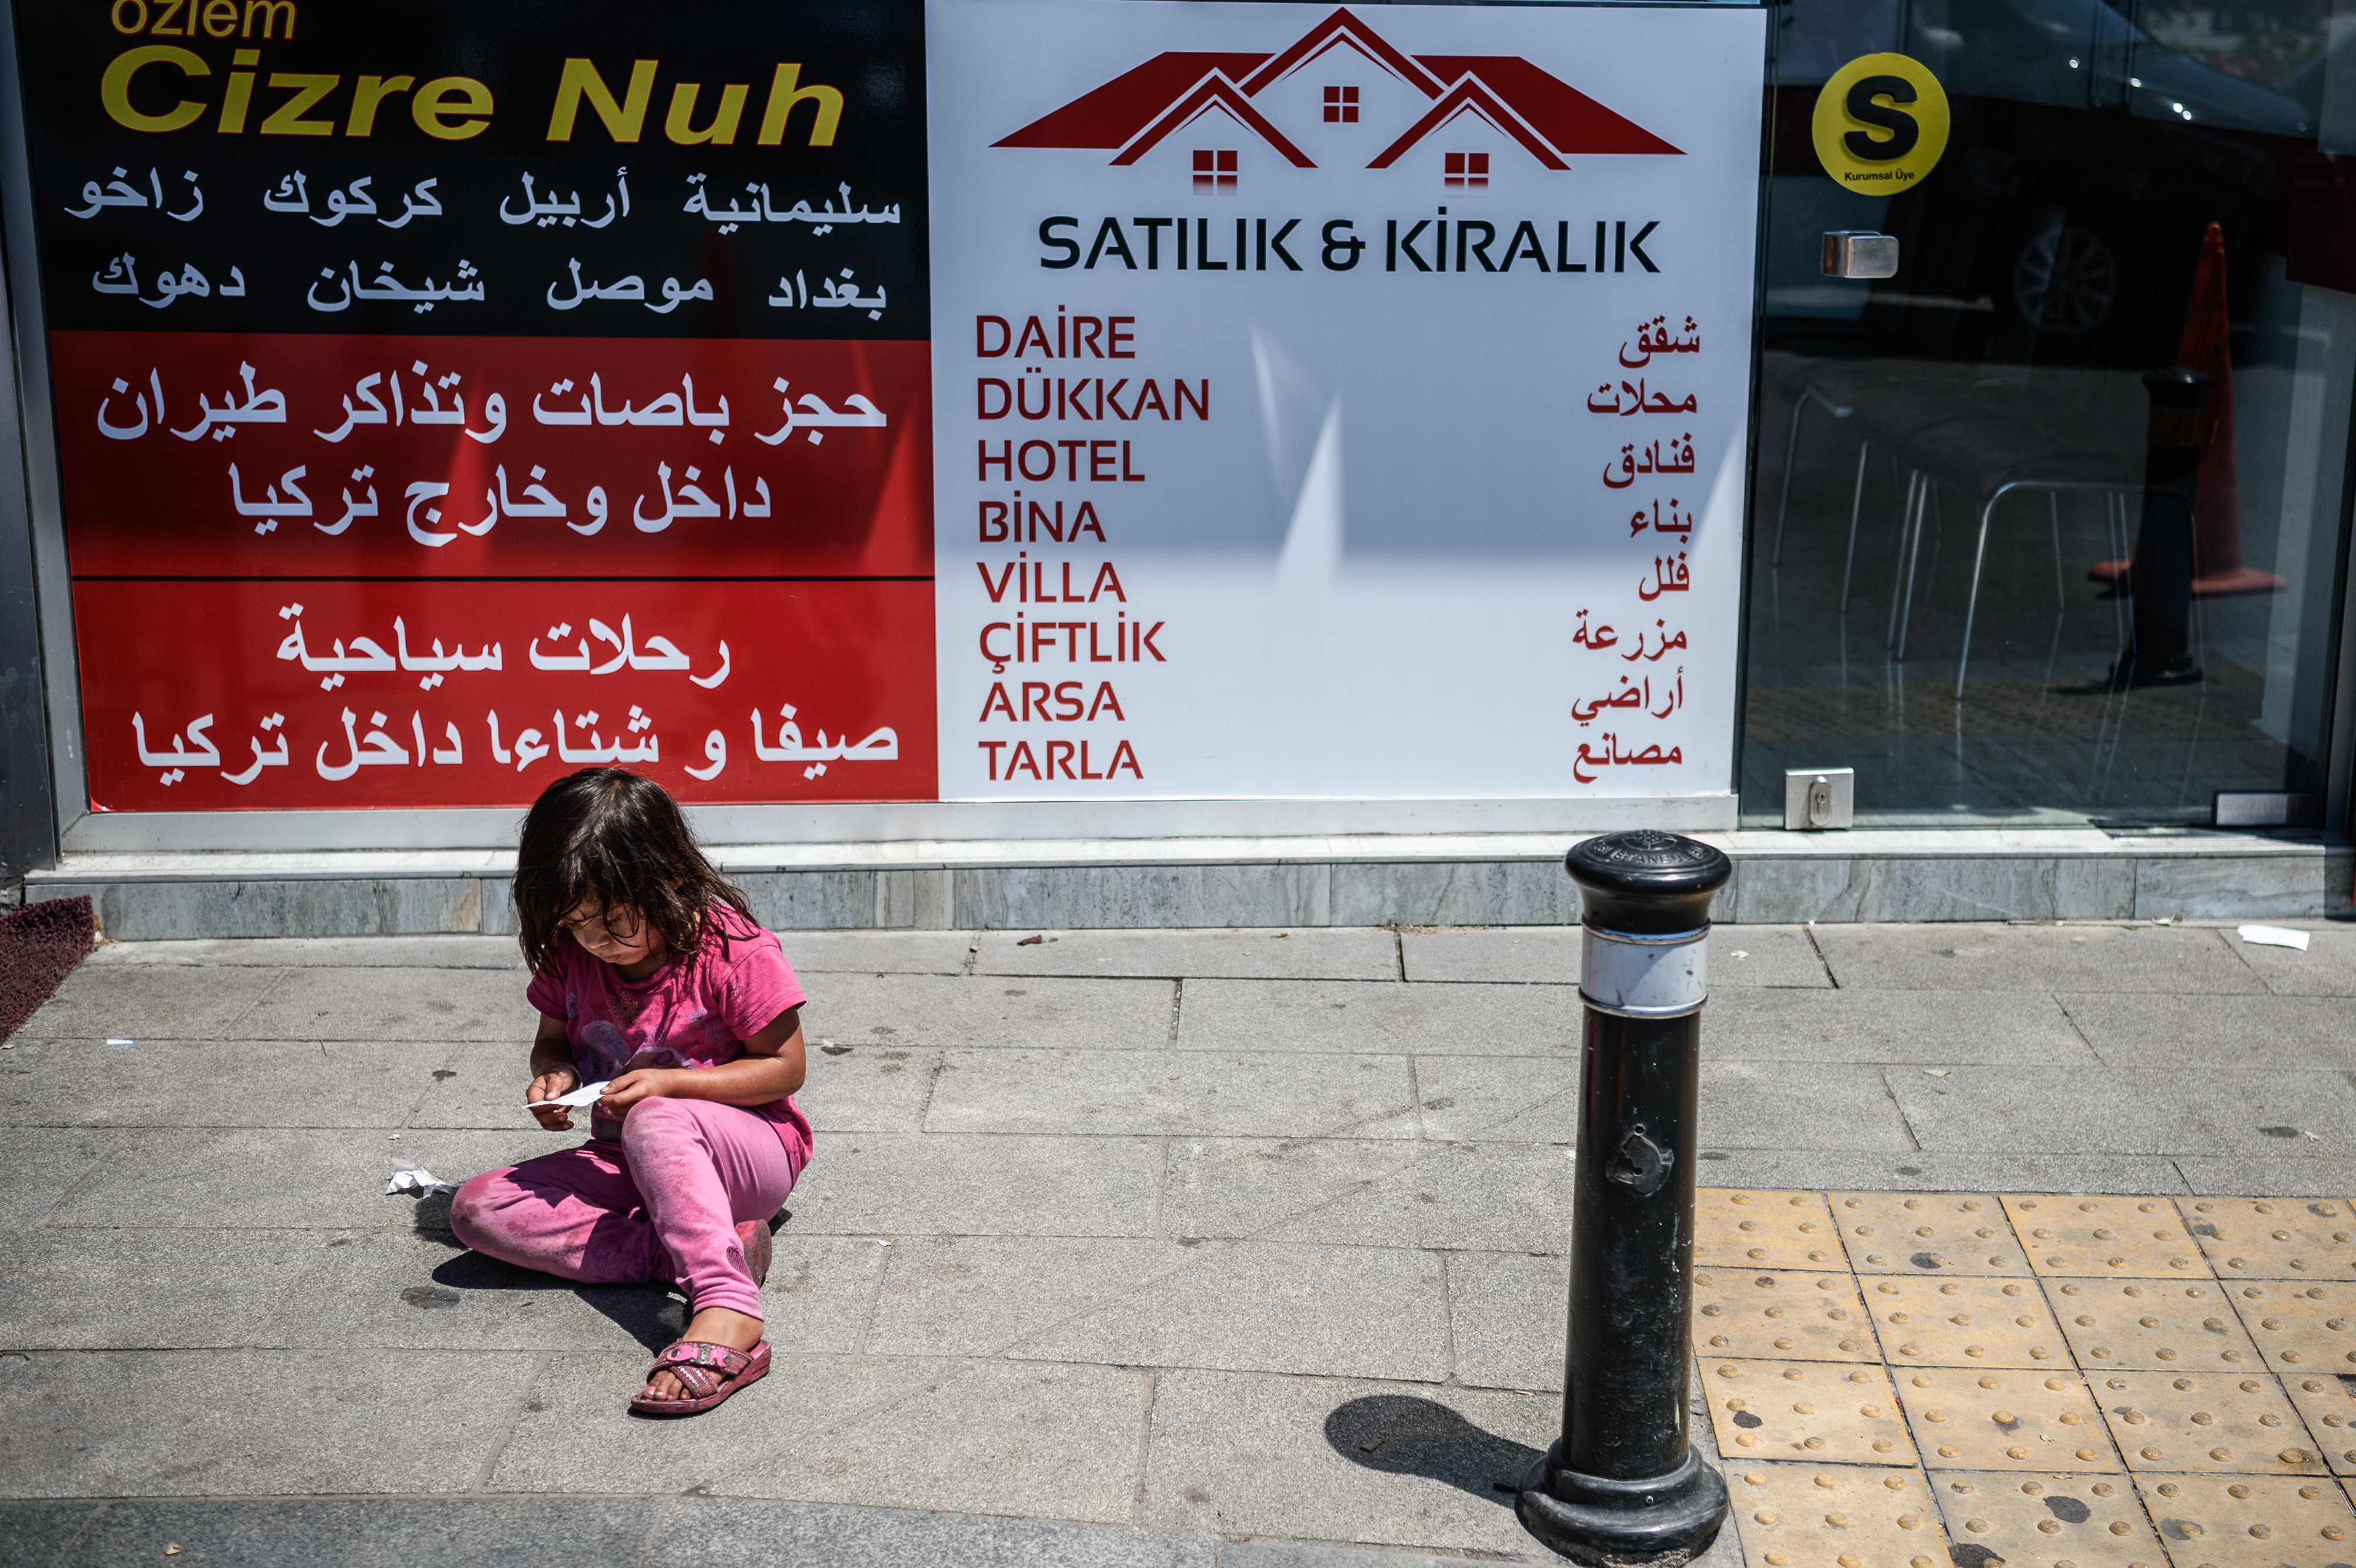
(1240,1186)
(977,1295)
(2282,1032)
(1508,1311)
(1309,952)
(410,1292)
(372,1532)
(1374,1463)
(317,952)
(1181,1092)
(212,1423)
(1766,1105)
(243,1177)
(2328,967)
(138,1290)
(216,1083)
(1527,955)
(736,1532)
(45,1534)
(481,1084)
(1027,1439)
(1932,1027)
(1250,1306)
(405,1291)
(131,1002)
(890,1184)
(1931,1170)
(2255,1175)
(1484,1197)
(2034,958)
(868,1089)
(45,1163)
(1022,1011)
(1359,1016)
(1499,1099)
(2128,1110)
(387,1004)
(877,952)
(1549,955)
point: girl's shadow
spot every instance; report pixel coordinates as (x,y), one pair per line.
(650,1314)
(1409,1436)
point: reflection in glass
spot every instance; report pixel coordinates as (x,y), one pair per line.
(1964,584)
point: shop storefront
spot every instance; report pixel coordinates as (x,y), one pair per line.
(973,443)
(1952,459)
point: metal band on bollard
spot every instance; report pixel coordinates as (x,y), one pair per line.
(1623,1487)
(1644,977)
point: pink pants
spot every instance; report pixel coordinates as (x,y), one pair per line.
(662,1204)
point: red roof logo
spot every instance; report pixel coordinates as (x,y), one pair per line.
(1259,94)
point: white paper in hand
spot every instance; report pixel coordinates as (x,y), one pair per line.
(407,1177)
(587,1094)
(2275,936)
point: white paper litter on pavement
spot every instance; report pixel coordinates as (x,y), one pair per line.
(587,1094)
(2275,936)
(407,1177)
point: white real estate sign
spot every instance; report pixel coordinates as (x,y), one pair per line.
(1331,406)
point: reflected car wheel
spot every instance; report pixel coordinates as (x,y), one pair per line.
(2065,281)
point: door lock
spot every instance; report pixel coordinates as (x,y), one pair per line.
(1819,799)
(1856,255)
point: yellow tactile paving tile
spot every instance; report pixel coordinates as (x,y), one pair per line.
(2274,1238)
(1735,1227)
(1965,1419)
(2048,1520)
(2152,1325)
(2328,1405)
(1834,1516)
(1823,1411)
(2300,1327)
(1964,1322)
(2205,1421)
(2115,1236)
(2248,1521)
(1791,1316)
(1927,1233)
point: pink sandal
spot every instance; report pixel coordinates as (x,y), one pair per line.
(710,1373)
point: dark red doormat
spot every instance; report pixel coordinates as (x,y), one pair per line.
(40,944)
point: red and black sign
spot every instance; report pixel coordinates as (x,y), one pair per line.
(548,334)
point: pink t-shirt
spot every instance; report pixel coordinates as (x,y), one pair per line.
(694,1011)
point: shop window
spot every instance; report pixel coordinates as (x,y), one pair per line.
(1214,170)
(1467,171)
(1341,106)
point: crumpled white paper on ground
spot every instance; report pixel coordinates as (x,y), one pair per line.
(587,1094)
(407,1177)
(2274,936)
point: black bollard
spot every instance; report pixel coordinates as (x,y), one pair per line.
(1622,1485)
(2160,577)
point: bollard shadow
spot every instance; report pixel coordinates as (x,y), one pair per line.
(1402,1434)
(650,1314)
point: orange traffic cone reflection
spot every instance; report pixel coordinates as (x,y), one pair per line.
(2207,347)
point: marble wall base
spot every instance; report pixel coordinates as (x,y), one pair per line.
(1767,889)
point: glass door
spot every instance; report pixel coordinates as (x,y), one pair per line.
(2049,525)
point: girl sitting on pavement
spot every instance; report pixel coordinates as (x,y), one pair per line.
(652,978)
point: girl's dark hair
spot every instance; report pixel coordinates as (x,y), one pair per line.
(611,837)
